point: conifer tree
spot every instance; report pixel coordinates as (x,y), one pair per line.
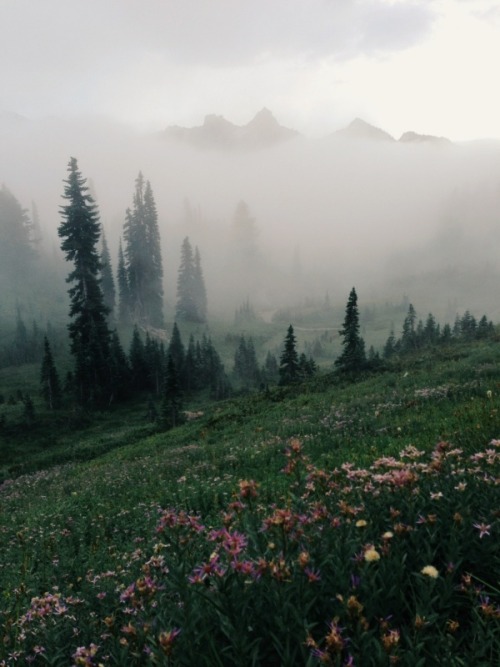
(154,354)
(107,280)
(192,366)
(270,369)
(143,257)
(353,357)
(191,294)
(177,353)
(124,305)
(171,407)
(246,367)
(199,288)
(409,334)
(137,360)
(289,360)
(15,243)
(49,379)
(121,374)
(88,330)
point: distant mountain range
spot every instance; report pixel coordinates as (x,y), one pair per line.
(217,132)
(264,131)
(360,129)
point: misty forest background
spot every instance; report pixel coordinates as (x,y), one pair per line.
(197,306)
(249,395)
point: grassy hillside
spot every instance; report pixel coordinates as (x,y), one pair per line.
(334,523)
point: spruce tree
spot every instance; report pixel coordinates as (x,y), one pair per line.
(124,304)
(186,308)
(353,357)
(143,257)
(171,407)
(107,280)
(49,379)
(138,363)
(121,374)
(16,250)
(199,288)
(177,353)
(88,330)
(270,369)
(289,360)
(409,334)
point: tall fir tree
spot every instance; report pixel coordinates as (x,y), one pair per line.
(124,305)
(289,360)
(80,231)
(15,243)
(143,257)
(199,287)
(171,414)
(353,356)
(107,280)
(191,296)
(49,379)
(409,335)
(177,353)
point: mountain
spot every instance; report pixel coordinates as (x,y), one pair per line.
(360,129)
(217,132)
(414,138)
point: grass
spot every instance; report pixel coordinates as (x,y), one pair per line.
(113,537)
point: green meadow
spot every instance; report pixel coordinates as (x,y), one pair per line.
(338,522)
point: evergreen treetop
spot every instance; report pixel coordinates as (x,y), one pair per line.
(353,356)
(80,231)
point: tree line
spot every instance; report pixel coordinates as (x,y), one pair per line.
(103,373)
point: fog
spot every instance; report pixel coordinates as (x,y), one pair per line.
(418,221)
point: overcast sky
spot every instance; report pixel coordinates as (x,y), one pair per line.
(425,65)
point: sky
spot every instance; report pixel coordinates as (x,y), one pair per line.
(430,66)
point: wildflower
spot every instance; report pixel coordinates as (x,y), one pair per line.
(371,555)
(334,640)
(167,639)
(354,606)
(303,558)
(452,625)
(461,486)
(430,571)
(390,639)
(420,622)
(248,488)
(482,528)
(360,523)
(436,496)
(388,535)
(312,575)
(489,394)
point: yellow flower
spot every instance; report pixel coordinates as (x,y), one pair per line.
(361,523)
(388,535)
(371,555)
(430,571)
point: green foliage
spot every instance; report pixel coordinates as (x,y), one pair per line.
(171,409)
(88,330)
(324,523)
(16,250)
(246,368)
(141,294)
(191,293)
(353,357)
(107,280)
(289,371)
(49,378)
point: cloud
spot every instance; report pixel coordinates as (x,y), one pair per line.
(57,37)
